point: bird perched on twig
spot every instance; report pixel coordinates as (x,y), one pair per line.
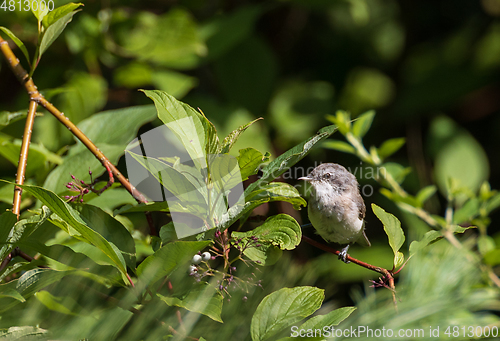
(336,208)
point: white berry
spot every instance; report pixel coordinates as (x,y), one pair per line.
(192,269)
(196,259)
(206,256)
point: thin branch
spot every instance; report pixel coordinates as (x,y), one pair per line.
(23,157)
(35,96)
(386,273)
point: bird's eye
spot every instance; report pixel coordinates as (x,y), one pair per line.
(328,175)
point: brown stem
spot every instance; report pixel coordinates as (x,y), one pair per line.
(35,96)
(386,273)
(23,157)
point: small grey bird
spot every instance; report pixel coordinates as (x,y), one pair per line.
(336,208)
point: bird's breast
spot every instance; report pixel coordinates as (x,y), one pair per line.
(335,217)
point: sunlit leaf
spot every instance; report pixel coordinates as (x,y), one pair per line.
(54,30)
(340,146)
(428,238)
(75,221)
(249,161)
(23,333)
(390,146)
(282,308)
(192,128)
(363,123)
(279,232)
(64,305)
(17,41)
(392,227)
(425,193)
(60,12)
(228,142)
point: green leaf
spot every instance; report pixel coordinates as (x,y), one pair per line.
(64,305)
(282,308)
(460,229)
(229,140)
(8,290)
(265,254)
(7,222)
(85,95)
(342,119)
(276,191)
(18,42)
(363,123)
(111,198)
(203,299)
(30,282)
(37,279)
(390,146)
(111,230)
(58,13)
(167,233)
(193,129)
(286,160)
(249,161)
(21,230)
(392,227)
(397,171)
(428,238)
(493,203)
(168,259)
(175,83)
(188,191)
(41,10)
(279,232)
(76,225)
(23,333)
(103,127)
(54,30)
(485,244)
(467,212)
(340,146)
(399,259)
(425,193)
(73,256)
(333,318)
(7,117)
(225,172)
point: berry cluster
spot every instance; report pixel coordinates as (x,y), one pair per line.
(200,267)
(82,188)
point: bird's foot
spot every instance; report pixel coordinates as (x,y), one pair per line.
(343,255)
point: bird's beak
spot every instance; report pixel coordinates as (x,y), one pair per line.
(305,178)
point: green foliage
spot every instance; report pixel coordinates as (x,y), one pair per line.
(282,309)
(392,227)
(90,270)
